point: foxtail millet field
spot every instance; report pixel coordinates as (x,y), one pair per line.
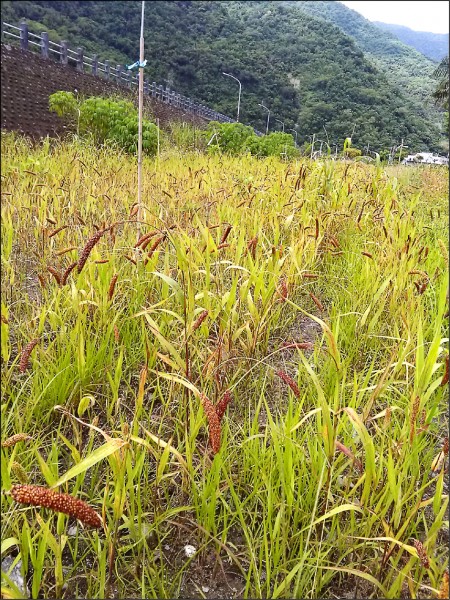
(242,395)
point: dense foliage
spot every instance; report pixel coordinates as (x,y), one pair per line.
(106,120)
(235,139)
(297,58)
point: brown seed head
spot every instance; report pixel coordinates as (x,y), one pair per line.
(199,320)
(445,446)
(88,248)
(112,285)
(422,553)
(251,246)
(36,495)
(316,301)
(153,247)
(67,272)
(221,406)
(213,423)
(225,234)
(298,345)
(15,439)
(55,274)
(55,231)
(443,590)
(145,239)
(65,250)
(283,290)
(357,464)
(25,357)
(290,382)
(446,373)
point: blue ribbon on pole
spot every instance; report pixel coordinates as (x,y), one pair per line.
(137,64)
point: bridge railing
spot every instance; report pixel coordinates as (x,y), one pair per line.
(117,74)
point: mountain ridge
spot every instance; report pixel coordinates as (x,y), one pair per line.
(432,45)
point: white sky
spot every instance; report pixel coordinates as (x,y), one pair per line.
(420,15)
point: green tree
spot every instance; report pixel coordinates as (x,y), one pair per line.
(441,73)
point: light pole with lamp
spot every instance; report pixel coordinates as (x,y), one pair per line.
(278,121)
(239,98)
(295,131)
(268,116)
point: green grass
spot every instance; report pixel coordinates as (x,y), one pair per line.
(312,492)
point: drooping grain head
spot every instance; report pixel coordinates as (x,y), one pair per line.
(67,272)
(88,248)
(15,439)
(39,496)
(290,382)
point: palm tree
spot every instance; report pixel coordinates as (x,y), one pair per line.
(440,94)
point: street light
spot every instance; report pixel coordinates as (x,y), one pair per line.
(295,131)
(268,116)
(239,98)
(278,121)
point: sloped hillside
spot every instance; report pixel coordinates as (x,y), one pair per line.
(405,68)
(307,70)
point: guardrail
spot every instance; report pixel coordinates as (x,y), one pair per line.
(118,74)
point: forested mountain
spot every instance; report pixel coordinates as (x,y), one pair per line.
(405,68)
(433,45)
(309,62)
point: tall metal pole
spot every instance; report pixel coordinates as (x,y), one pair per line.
(141,104)
(268,116)
(295,131)
(278,121)
(239,97)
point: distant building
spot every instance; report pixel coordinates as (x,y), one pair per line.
(425,158)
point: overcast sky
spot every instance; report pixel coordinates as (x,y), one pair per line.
(419,15)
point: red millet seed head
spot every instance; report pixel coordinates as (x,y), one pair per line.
(35,495)
(25,357)
(221,406)
(67,272)
(290,382)
(112,285)
(55,274)
(88,248)
(422,553)
(145,240)
(446,372)
(283,291)
(225,234)
(445,446)
(213,423)
(199,320)
(154,246)
(316,301)
(55,231)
